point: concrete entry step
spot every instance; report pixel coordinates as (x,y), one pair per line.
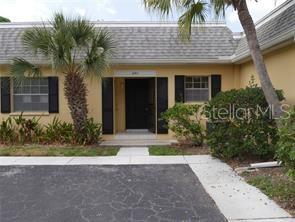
(138,143)
(140,134)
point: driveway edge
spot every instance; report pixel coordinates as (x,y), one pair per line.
(237,200)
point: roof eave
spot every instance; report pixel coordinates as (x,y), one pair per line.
(275,43)
(170,61)
(226,60)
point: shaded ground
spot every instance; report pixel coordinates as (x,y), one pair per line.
(104,193)
(274,183)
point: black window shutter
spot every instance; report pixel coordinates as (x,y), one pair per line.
(107,106)
(5,95)
(162,103)
(53,95)
(215,85)
(179,89)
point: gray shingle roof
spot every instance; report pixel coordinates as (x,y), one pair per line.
(160,43)
(278,26)
(150,42)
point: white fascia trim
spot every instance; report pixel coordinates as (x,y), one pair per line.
(170,61)
(280,39)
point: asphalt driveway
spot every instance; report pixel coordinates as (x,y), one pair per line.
(104,193)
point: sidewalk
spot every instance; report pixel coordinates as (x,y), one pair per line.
(236,199)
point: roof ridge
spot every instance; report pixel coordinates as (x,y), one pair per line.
(274,13)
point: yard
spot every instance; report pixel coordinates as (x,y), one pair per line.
(51,150)
(275,184)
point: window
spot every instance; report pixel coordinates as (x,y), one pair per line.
(196,88)
(30,94)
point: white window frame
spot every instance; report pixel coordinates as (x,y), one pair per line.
(30,94)
(193,88)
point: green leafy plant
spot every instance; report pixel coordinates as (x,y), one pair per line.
(185,121)
(7,133)
(91,133)
(77,49)
(286,143)
(21,130)
(28,130)
(241,124)
(58,132)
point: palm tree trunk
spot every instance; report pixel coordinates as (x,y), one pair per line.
(75,92)
(251,36)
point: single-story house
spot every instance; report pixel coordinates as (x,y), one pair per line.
(153,69)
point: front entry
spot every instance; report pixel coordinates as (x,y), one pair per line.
(140,103)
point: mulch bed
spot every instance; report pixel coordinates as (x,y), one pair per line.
(192,150)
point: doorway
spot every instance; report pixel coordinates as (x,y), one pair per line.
(140,103)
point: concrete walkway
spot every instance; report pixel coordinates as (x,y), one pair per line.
(133,151)
(236,199)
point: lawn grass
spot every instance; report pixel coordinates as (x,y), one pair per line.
(164,151)
(276,185)
(58,151)
(177,150)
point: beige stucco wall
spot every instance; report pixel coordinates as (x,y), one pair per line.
(280,64)
(281,68)
(229,81)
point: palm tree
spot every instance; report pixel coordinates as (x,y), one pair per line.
(76,49)
(196,11)
(3,19)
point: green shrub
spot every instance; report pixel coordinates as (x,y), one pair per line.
(28,130)
(91,133)
(286,143)
(241,124)
(20,130)
(7,133)
(184,121)
(59,132)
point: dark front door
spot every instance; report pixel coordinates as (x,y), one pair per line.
(137,103)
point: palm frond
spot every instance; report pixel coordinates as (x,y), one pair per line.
(21,69)
(219,7)
(81,31)
(99,53)
(196,13)
(163,7)
(3,19)
(37,40)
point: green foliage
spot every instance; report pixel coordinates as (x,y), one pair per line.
(7,134)
(286,143)
(185,121)
(27,130)
(92,133)
(19,130)
(190,11)
(58,132)
(241,124)
(71,44)
(281,190)
(3,19)
(164,151)
(58,151)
